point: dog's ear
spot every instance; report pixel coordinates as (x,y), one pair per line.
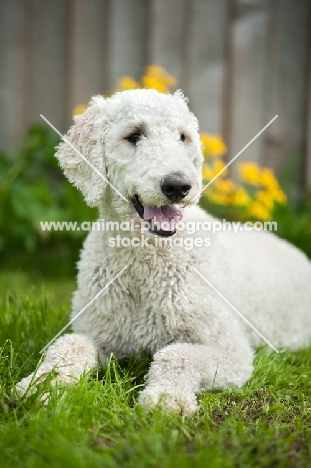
(84,142)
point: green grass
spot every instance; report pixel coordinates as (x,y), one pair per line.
(96,423)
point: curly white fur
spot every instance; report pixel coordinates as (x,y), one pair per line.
(159,303)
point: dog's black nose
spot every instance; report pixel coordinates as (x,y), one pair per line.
(175,186)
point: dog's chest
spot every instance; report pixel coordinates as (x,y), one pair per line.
(144,309)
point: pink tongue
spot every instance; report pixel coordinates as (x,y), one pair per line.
(169,215)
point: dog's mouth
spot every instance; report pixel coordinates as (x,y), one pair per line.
(165,216)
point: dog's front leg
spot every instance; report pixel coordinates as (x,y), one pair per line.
(69,357)
(182,370)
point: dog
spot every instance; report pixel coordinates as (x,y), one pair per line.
(137,157)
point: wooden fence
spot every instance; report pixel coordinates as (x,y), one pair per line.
(241,62)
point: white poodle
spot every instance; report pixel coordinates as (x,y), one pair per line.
(173,301)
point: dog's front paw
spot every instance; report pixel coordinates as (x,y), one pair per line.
(29,385)
(26,385)
(173,400)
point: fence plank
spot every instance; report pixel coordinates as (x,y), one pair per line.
(167,36)
(47,61)
(128,44)
(12,73)
(204,65)
(88,50)
(249,33)
(308,123)
(286,87)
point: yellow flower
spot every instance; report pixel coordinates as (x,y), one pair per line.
(212,145)
(157,78)
(250,173)
(160,73)
(241,197)
(209,172)
(155,83)
(224,186)
(279,196)
(155,70)
(222,192)
(265,198)
(267,179)
(218,166)
(218,198)
(259,211)
(79,109)
(127,82)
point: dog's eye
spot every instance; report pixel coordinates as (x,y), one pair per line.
(182,137)
(133,137)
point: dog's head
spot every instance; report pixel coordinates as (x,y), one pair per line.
(139,145)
